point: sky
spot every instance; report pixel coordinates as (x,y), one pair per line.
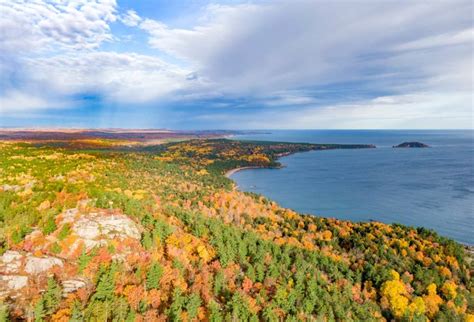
(189,64)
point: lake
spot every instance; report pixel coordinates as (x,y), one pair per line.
(430,187)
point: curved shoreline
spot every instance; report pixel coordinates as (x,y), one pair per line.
(469,248)
(232,171)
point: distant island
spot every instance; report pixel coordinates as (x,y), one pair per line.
(411,145)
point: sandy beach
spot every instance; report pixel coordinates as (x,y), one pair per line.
(232,171)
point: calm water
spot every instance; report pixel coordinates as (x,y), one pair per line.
(418,187)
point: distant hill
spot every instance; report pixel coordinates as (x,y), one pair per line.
(134,135)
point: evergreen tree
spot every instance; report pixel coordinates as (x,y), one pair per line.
(219,283)
(147,241)
(238,309)
(215,312)
(269,314)
(121,309)
(49,226)
(130,316)
(84,260)
(52,296)
(39,311)
(153,276)
(174,311)
(192,305)
(3,312)
(76,312)
(106,284)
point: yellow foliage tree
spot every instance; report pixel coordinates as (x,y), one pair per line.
(395,293)
(432,301)
(417,307)
(449,289)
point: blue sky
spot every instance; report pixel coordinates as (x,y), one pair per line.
(236,64)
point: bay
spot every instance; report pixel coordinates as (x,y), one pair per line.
(429,187)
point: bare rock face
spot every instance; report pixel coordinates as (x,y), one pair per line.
(10,267)
(12,283)
(36,265)
(86,229)
(97,228)
(10,262)
(73,284)
(16,269)
(14,188)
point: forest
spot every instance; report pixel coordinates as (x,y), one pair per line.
(103,231)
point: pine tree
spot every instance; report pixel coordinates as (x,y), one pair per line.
(121,309)
(238,309)
(153,276)
(147,241)
(39,311)
(52,296)
(269,314)
(215,312)
(76,312)
(105,285)
(192,305)
(130,316)
(174,311)
(49,226)
(3,312)
(83,260)
(219,283)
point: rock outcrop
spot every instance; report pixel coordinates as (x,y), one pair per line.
(35,261)
(97,228)
(73,284)
(16,269)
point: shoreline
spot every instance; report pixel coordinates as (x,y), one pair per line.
(230,172)
(468,248)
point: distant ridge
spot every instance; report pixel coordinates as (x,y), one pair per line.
(112,133)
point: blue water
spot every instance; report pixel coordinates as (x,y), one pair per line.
(431,187)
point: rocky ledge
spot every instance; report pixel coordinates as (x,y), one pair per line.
(411,145)
(40,256)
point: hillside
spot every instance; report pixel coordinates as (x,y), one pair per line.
(157,232)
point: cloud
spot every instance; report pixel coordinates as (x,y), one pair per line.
(48,25)
(410,111)
(417,110)
(256,49)
(286,63)
(121,78)
(131,18)
(447,39)
(16,101)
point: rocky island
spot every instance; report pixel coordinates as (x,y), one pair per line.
(411,145)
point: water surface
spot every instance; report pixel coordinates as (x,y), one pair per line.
(431,187)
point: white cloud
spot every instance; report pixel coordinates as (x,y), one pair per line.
(131,18)
(259,49)
(289,98)
(15,101)
(123,78)
(465,36)
(418,110)
(38,25)
(277,55)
